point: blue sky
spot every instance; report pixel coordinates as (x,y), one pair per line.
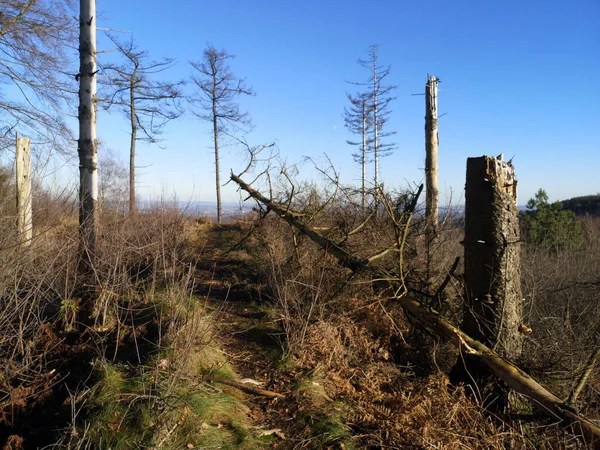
(518,77)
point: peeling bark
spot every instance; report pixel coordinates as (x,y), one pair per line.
(431,157)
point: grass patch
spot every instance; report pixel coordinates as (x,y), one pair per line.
(169,402)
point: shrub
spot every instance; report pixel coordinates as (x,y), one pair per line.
(549,226)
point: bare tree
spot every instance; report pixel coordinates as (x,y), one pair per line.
(148,104)
(215,101)
(35,36)
(358,120)
(113,183)
(88,143)
(380,99)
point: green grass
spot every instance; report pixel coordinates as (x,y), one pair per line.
(147,406)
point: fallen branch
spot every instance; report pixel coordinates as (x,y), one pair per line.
(248,388)
(581,382)
(521,382)
(345,258)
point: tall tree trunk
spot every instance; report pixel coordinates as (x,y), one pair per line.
(375,121)
(364,154)
(87,143)
(132,205)
(24,200)
(431,167)
(431,156)
(217,176)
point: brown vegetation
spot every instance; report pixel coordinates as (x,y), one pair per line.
(191,317)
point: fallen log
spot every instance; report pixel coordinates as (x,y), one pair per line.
(345,258)
(542,399)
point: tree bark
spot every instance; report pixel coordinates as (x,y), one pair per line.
(494,301)
(364,154)
(133,120)
(217,170)
(87,143)
(376,121)
(24,198)
(431,157)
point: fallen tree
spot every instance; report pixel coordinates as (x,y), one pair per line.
(541,398)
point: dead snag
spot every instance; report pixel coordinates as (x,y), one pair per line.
(493,308)
(24,196)
(431,164)
(494,302)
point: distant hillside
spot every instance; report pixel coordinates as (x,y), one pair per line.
(588,204)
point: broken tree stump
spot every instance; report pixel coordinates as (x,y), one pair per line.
(494,301)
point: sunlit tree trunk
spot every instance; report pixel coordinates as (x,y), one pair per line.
(216,139)
(375,119)
(431,167)
(87,144)
(24,197)
(133,123)
(364,153)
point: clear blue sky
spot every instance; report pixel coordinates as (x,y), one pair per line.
(518,77)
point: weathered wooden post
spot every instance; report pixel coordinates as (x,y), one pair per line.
(24,200)
(431,157)
(494,302)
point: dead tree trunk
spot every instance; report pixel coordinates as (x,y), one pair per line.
(431,157)
(87,144)
(493,308)
(217,170)
(24,200)
(431,168)
(494,302)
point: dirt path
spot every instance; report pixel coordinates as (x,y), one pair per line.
(228,283)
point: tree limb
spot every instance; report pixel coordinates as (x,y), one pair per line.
(248,388)
(345,258)
(581,382)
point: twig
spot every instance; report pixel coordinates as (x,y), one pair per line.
(589,367)
(248,388)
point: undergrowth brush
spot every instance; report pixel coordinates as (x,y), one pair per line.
(123,362)
(369,376)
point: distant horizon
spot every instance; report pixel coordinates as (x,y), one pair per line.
(231,209)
